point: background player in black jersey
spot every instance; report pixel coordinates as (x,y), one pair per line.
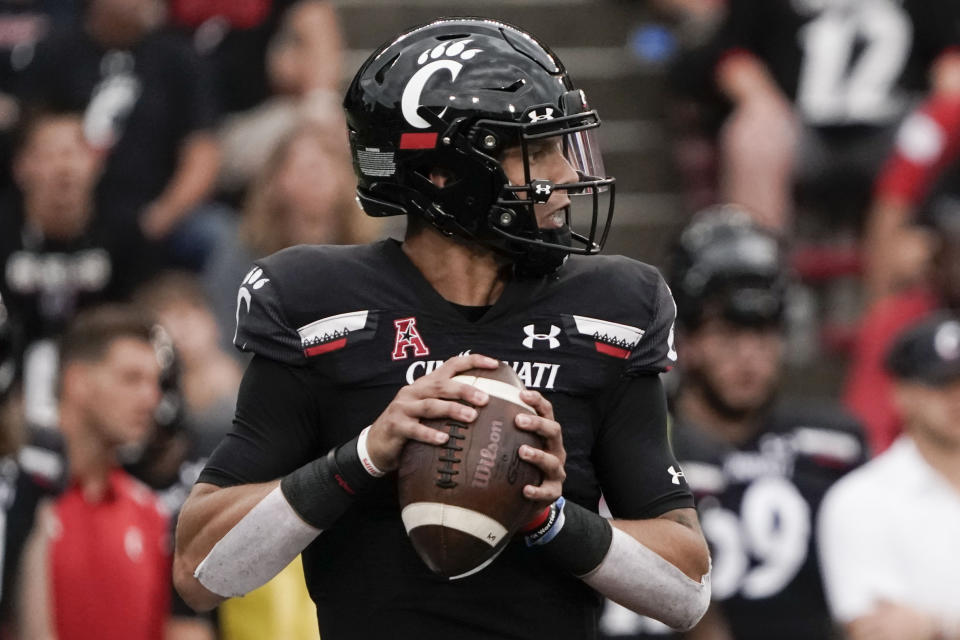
(757,468)
(474,131)
(30,471)
(817,90)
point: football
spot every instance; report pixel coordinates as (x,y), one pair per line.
(462,501)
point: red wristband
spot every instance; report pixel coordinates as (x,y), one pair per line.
(537,522)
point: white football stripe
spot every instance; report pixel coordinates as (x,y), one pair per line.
(595,327)
(480,526)
(480,567)
(350,321)
(496,388)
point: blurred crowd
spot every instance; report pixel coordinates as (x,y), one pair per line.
(150,150)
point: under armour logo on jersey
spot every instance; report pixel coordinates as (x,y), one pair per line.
(676,474)
(537,117)
(408,338)
(533,336)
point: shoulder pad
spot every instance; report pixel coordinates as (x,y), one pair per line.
(640,329)
(655,352)
(277,294)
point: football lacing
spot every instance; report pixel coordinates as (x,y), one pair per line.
(448,457)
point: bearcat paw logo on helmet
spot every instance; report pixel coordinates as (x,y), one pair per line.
(451,50)
(446,55)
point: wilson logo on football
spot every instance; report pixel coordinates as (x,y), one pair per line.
(335,332)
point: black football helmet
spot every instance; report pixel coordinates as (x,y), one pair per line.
(725,262)
(455,94)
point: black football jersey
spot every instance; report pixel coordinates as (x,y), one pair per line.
(347,327)
(758,504)
(857,62)
(44,281)
(35,473)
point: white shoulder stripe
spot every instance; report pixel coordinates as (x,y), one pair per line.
(334,325)
(480,526)
(41,461)
(624,333)
(496,388)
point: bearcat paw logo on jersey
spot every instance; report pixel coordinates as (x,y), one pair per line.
(446,55)
(251,281)
(408,338)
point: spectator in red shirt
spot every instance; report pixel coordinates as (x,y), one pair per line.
(869,388)
(98,564)
(928,144)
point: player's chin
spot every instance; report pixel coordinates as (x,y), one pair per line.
(553,220)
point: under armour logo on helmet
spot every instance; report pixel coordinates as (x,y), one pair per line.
(533,336)
(676,474)
(537,117)
(542,190)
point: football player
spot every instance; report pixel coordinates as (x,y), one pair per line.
(473,130)
(31,471)
(758,467)
(817,90)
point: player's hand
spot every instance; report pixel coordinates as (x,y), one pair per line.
(891,621)
(435,395)
(552,457)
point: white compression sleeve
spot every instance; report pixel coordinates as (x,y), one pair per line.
(637,578)
(258,547)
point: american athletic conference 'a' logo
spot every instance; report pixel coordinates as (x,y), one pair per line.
(445,55)
(408,338)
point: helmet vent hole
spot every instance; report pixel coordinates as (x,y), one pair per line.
(452,36)
(383,70)
(511,88)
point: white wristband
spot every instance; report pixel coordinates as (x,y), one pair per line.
(365,455)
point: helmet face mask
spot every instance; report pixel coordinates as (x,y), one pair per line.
(459,96)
